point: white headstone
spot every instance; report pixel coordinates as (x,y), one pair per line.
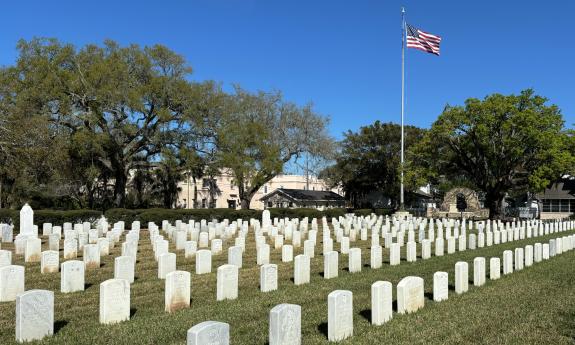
(519,260)
(285,325)
(70,248)
(410,295)
(27,222)
(461,277)
(287,253)
(479,271)
(166,264)
(203,261)
(114,301)
(330,265)
(235,256)
(394,254)
(268,277)
(11,282)
(376,256)
(50,262)
(507,262)
(227,282)
(381,302)
(354,260)
(340,315)
(34,315)
(209,332)
(92,256)
(5,258)
(72,276)
(494,268)
(301,269)
(124,267)
(33,252)
(440,286)
(178,291)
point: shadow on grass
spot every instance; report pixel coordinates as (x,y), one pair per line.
(58,325)
(428,295)
(366,314)
(322,328)
(133,312)
(88,285)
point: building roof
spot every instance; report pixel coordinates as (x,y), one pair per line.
(305,195)
(562,189)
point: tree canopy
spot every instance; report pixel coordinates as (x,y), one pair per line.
(113,125)
(369,161)
(498,145)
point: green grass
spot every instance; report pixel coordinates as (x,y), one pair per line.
(532,306)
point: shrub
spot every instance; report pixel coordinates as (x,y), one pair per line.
(55,217)
(334,213)
(9,216)
(117,214)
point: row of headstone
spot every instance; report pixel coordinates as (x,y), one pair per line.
(285,319)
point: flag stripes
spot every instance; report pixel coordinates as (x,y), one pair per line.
(422,40)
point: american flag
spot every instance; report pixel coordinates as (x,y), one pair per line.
(422,40)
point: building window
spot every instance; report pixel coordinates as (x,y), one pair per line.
(555,205)
(546,205)
(265,189)
(204,203)
(270,204)
(206,183)
(291,204)
(564,205)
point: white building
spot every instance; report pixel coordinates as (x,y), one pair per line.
(224,194)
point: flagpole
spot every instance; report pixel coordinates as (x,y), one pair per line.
(401,201)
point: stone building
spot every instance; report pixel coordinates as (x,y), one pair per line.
(220,192)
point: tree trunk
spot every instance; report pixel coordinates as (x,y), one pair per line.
(120,188)
(494,201)
(245,203)
(195,204)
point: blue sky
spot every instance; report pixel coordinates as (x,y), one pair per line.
(344,56)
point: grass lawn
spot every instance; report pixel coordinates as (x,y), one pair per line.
(532,306)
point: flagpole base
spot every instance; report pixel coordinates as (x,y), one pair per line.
(402,215)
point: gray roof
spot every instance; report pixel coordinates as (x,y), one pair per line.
(306,195)
(562,189)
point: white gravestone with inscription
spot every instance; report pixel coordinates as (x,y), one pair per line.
(340,315)
(34,315)
(285,325)
(209,333)
(227,282)
(381,302)
(178,291)
(72,276)
(27,222)
(268,277)
(440,286)
(114,301)
(11,282)
(410,295)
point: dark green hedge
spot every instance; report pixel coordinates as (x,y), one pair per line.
(60,217)
(159,214)
(57,217)
(377,211)
(7,216)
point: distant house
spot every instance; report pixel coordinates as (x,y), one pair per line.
(558,201)
(297,198)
